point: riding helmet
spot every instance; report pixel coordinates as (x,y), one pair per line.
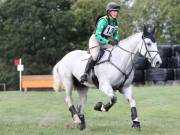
(112,6)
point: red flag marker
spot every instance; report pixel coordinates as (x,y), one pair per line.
(16,62)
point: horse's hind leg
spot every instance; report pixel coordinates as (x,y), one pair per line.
(128,94)
(68,85)
(80,107)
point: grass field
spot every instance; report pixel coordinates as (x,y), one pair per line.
(45,113)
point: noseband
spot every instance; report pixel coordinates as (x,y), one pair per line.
(148,51)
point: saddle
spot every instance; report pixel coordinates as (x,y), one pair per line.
(100,59)
(93,76)
(101,53)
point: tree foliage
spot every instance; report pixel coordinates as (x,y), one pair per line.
(163,15)
(38,31)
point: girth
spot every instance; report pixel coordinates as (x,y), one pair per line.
(95,79)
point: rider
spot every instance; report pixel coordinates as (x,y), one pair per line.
(106,34)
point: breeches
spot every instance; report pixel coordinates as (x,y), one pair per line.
(94,47)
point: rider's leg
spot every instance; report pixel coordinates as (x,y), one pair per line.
(89,66)
(94,51)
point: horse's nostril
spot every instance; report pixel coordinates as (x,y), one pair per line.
(158,64)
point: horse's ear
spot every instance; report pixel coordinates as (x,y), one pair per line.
(145,30)
(153,30)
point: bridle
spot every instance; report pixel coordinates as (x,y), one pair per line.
(148,52)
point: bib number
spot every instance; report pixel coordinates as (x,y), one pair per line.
(109,30)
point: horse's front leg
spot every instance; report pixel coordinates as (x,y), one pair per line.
(127,91)
(107,89)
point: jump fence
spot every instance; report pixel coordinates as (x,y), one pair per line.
(168,71)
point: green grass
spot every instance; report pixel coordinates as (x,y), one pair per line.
(45,113)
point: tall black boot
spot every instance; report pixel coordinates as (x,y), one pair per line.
(89,66)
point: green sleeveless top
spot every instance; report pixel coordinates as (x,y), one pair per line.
(106,29)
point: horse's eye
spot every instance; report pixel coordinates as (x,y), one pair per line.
(148,43)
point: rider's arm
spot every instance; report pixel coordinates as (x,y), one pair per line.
(99,30)
(116,35)
(116,32)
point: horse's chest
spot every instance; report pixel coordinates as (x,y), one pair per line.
(113,77)
(118,82)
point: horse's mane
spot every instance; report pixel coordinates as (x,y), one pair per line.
(128,38)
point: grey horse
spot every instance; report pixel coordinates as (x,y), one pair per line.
(113,72)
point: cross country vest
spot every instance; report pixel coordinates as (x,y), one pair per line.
(108,31)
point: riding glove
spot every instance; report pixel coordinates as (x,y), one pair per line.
(114,42)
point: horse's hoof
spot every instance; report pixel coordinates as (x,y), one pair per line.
(98,106)
(82,125)
(136,125)
(76,119)
(71,125)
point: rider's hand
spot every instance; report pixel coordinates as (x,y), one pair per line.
(113,42)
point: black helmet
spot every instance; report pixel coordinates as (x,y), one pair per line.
(112,6)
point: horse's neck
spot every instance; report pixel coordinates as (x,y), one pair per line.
(131,43)
(129,47)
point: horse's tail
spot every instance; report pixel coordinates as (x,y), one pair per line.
(57,83)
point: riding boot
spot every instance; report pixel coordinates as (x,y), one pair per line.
(89,66)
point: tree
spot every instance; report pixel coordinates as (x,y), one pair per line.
(163,15)
(38,31)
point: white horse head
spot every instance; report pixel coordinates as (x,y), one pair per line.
(149,47)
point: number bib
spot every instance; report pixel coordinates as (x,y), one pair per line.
(109,30)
